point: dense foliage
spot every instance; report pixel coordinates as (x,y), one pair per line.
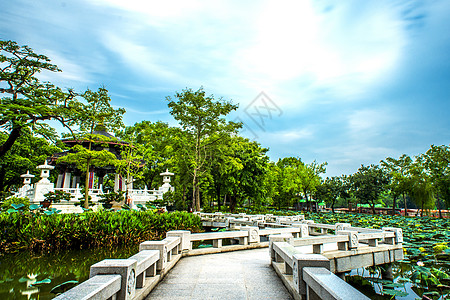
(42,232)
(214,166)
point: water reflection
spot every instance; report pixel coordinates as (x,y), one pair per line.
(31,276)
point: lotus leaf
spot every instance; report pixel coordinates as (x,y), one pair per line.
(44,281)
(395,293)
(61,288)
(17,206)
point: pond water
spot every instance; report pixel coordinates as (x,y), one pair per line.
(362,280)
(31,276)
(21,273)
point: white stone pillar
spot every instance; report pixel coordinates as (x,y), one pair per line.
(67,177)
(74,181)
(117,183)
(125,268)
(59,182)
(306,260)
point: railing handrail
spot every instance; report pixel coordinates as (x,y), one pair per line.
(322,282)
(98,286)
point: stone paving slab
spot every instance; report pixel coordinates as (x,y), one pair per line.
(245,275)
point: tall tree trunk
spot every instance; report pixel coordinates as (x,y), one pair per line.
(232,203)
(13,136)
(218,196)
(393,206)
(439,206)
(421,212)
(2,182)
(194,190)
(86,187)
(308,206)
(198,198)
(404,203)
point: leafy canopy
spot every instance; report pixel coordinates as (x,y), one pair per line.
(27,102)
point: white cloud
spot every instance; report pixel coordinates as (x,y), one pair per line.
(71,72)
(366,124)
(140,112)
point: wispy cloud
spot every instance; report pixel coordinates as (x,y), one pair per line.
(356,80)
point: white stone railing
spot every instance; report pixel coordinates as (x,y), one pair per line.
(320,283)
(96,287)
(145,195)
(298,272)
(233,221)
(24,194)
(131,278)
(76,193)
(140,273)
(349,248)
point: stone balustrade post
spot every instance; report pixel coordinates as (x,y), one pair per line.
(287,237)
(304,231)
(306,260)
(253,234)
(398,239)
(156,245)
(353,240)
(341,226)
(185,237)
(126,268)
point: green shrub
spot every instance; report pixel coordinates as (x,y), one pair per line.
(20,231)
(6,204)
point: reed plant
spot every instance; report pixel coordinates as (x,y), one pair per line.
(40,232)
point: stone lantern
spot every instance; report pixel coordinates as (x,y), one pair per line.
(166,181)
(44,185)
(26,181)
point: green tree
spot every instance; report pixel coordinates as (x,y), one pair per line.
(289,184)
(244,173)
(130,165)
(400,177)
(159,144)
(96,114)
(329,190)
(26,102)
(437,164)
(368,184)
(309,175)
(200,117)
(421,191)
(25,155)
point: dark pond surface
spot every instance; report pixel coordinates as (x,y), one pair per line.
(21,273)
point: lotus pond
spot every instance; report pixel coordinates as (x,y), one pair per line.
(425,270)
(30,276)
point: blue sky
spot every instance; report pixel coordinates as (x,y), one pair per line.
(346,82)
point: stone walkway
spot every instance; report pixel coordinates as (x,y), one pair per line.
(243,274)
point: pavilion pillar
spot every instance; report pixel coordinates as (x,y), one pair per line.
(67,177)
(60,180)
(91,179)
(119,184)
(75,181)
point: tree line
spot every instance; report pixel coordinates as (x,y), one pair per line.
(422,181)
(215,167)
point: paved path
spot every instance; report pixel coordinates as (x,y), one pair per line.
(243,274)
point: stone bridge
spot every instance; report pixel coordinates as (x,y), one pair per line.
(285,258)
